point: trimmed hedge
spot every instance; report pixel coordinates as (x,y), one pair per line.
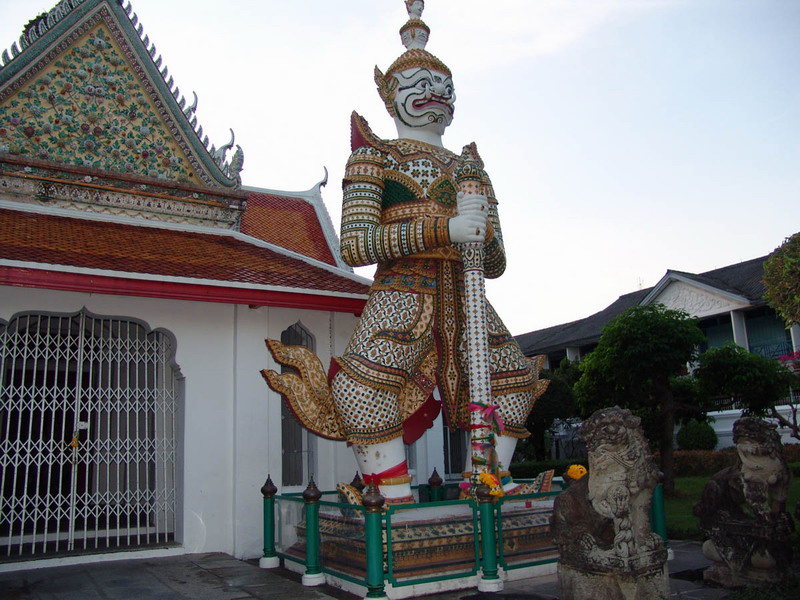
(792,452)
(693,463)
(688,463)
(531,468)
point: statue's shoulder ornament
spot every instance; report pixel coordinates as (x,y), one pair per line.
(470,153)
(361,135)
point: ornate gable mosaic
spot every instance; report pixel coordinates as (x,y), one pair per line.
(86,95)
(87,109)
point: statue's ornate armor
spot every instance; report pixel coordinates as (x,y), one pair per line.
(398,198)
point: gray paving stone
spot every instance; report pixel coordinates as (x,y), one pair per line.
(216,576)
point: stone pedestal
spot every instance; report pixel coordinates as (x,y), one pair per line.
(619,584)
(743,511)
(747,553)
(602,522)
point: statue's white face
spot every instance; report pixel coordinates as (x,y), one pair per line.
(414,38)
(425,99)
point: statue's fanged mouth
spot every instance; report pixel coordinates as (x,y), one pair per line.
(436,101)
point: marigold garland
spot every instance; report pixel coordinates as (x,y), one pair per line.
(495,489)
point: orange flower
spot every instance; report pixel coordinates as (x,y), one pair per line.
(576,471)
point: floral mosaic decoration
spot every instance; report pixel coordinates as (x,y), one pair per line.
(88,109)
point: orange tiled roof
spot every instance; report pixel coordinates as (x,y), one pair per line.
(290,223)
(57,240)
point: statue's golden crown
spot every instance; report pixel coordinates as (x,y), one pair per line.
(416,58)
(414,35)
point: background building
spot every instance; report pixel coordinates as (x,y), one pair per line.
(729,303)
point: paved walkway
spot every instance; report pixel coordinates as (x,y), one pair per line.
(687,564)
(218,576)
(213,576)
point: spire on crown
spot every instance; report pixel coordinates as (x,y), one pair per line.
(415,8)
(414,34)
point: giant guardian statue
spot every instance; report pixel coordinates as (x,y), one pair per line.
(412,206)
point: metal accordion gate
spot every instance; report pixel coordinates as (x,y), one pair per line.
(87,435)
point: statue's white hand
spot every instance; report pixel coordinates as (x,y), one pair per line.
(470,224)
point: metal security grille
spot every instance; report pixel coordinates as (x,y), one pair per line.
(87,434)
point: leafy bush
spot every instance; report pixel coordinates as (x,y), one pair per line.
(745,379)
(696,435)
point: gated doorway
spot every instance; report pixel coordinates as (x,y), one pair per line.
(88,417)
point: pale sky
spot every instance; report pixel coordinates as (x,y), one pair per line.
(623,137)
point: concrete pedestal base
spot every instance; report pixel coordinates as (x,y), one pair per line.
(434,587)
(313,580)
(646,583)
(490,585)
(270,562)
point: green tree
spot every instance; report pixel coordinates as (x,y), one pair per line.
(732,377)
(638,355)
(782,279)
(557,403)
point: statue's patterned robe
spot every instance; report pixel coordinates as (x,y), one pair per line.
(398,198)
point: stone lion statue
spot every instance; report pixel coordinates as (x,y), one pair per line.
(743,510)
(602,522)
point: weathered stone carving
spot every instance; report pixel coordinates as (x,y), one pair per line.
(743,511)
(601,523)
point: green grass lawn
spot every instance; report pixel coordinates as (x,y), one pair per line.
(683,525)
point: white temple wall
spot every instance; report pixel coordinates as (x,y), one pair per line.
(724,420)
(231,431)
(257,414)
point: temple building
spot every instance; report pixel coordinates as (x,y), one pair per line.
(138,281)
